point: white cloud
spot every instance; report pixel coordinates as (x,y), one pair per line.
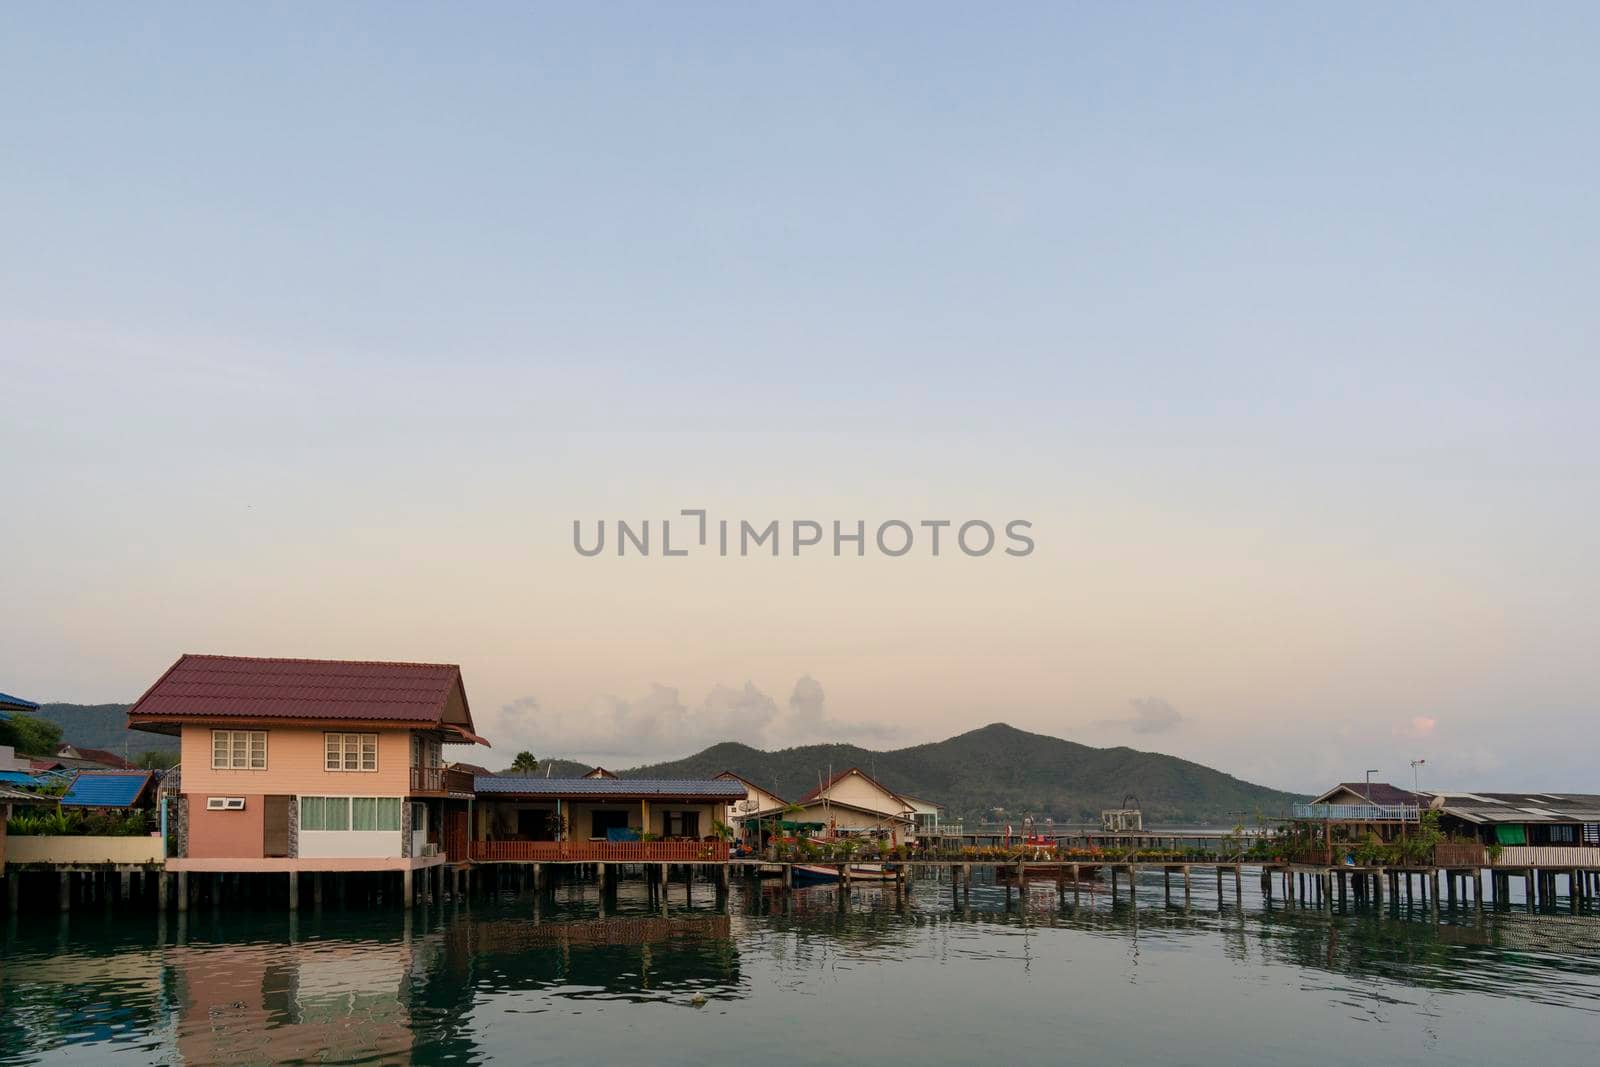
(660,725)
(1151,715)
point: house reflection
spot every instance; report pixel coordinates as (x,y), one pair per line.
(270,1003)
(634,957)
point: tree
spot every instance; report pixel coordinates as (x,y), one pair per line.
(30,736)
(158,760)
(525,762)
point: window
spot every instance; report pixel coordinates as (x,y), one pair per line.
(350,813)
(324,813)
(238,750)
(607,820)
(375,813)
(683,824)
(224,803)
(1563,835)
(426,752)
(350,752)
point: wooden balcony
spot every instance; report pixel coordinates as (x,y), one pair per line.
(440,781)
(600,851)
(1460,854)
(1551,857)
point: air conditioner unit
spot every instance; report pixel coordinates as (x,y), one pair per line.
(430,849)
(224,803)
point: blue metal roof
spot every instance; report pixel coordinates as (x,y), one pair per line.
(17,703)
(719,788)
(19,778)
(109,789)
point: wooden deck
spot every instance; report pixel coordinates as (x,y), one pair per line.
(600,852)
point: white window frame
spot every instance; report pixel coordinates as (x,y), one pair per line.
(231,740)
(348,804)
(340,749)
(224,803)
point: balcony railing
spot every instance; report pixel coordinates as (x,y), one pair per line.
(440,780)
(1550,856)
(1355,812)
(600,851)
(1460,854)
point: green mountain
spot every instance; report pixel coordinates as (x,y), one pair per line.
(1000,766)
(104,726)
(973,773)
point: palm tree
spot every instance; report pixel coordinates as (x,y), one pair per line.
(525,762)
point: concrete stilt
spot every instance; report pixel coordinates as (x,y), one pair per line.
(13,891)
(294,890)
(1188,887)
(66,890)
(316,890)
(407,889)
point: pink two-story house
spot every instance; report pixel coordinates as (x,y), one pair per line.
(300,765)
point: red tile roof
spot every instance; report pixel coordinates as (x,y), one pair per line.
(1375,792)
(200,688)
(94,755)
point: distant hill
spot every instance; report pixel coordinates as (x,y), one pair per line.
(104,726)
(1001,766)
(971,773)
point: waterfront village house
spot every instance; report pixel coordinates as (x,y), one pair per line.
(924,814)
(854,803)
(599,772)
(1377,807)
(529,818)
(312,765)
(1553,830)
(1550,830)
(747,813)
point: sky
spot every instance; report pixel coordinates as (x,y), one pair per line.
(320,327)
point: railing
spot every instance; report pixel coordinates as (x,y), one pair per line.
(1550,856)
(1460,854)
(440,780)
(600,851)
(1355,812)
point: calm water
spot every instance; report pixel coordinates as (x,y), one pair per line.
(807,983)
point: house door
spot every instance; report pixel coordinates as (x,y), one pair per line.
(455,836)
(275,826)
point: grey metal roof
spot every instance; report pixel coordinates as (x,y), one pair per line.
(1520,807)
(721,789)
(9,795)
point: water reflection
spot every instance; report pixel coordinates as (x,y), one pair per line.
(820,972)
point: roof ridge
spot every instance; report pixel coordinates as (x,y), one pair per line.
(313,659)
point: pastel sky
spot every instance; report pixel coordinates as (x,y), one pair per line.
(320,325)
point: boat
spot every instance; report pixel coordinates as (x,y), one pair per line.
(818,873)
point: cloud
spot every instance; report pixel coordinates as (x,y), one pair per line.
(659,724)
(1420,728)
(1151,715)
(808,721)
